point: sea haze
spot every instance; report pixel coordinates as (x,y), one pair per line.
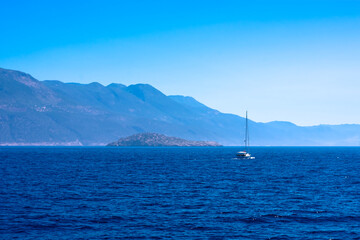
(99,192)
(36,112)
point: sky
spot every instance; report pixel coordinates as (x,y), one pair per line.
(296,61)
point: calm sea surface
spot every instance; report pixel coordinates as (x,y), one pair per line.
(172,193)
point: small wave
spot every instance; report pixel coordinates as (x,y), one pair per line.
(199,206)
(290,218)
(40,226)
(111,219)
(328,232)
(86,227)
(244,220)
(205,228)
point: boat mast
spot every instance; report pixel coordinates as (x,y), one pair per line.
(246,134)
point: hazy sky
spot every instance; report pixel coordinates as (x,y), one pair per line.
(295,61)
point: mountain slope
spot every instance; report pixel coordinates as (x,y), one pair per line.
(53,112)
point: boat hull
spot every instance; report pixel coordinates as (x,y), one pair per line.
(243,155)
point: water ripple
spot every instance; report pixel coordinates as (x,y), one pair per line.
(172,193)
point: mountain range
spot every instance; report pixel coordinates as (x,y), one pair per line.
(50,112)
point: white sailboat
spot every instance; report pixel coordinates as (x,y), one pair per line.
(246,154)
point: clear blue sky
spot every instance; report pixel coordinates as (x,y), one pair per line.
(295,61)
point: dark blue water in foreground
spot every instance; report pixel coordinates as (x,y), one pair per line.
(195,193)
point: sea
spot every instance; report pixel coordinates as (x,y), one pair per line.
(179,193)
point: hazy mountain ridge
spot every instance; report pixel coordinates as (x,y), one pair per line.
(52,112)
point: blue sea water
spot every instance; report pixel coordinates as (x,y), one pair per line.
(179,193)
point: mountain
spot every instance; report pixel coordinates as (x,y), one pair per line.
(48,112)
(159,140)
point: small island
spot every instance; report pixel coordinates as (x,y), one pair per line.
(159,140)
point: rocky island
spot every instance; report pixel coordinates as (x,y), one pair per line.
(159,140)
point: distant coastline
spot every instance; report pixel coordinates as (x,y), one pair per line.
(39,144)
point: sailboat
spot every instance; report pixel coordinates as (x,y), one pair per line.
(246,154)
